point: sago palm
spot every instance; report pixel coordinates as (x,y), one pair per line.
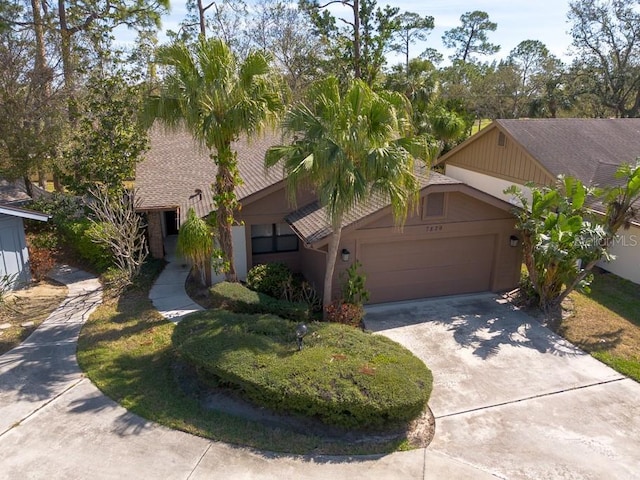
(347,148)
(217,99)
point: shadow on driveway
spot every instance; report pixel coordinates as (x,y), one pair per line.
(484,323)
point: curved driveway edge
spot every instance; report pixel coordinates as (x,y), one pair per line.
(55,424)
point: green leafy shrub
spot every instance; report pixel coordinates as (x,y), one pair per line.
(63,208)
(354,288)
(77,235)
(342,376)
(269,278)
(345,313)
(240,299)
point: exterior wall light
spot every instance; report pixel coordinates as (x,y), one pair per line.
(514,241)
(345,255)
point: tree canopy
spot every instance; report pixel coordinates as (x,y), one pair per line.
(349,147)
(217,98)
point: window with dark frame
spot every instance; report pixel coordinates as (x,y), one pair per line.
(273,238)
(502,139)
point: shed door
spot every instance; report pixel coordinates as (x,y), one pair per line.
(404,270)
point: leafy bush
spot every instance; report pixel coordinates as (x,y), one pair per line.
(342,376)
(240,299)
(77,235)
(269,278)
(354,289)
(345,313)
(63,208)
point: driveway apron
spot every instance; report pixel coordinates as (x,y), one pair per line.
(512,398)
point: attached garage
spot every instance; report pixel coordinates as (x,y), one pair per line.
(404,270)
(458,241)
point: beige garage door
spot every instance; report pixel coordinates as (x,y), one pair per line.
(427,268)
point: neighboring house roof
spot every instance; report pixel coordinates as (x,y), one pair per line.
(177,172)
(589,149)
(311,222)
(13,193)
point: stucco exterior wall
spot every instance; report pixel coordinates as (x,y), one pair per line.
(486,183)
(626,248)
(469,225)
(627,252)
(239,255)
(271,209)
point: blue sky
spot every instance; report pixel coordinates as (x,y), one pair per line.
(518,20)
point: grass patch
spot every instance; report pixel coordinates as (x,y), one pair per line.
(24,310)
(125,349)
(606,323)
(343,376)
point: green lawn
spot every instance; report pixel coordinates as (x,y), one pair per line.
(606,323)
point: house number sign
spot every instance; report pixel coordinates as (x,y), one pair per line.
(434,228)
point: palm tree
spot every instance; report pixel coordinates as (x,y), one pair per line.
(347,148)
(217,98)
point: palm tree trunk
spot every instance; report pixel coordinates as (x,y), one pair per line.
(226,202)
(332,255)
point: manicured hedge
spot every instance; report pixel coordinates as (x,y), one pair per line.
(342,376)
(240,299)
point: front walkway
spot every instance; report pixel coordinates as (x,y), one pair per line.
(168,295)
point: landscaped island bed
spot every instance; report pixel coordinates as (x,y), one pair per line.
(343,376)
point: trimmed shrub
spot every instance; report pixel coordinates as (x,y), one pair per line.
(342,376)
(240,299)
(269,278)
(345,313)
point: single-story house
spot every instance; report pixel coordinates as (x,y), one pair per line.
(459,239)
(515,152)
(14,256)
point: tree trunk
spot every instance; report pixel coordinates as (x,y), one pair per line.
(356,39)
(201,13)
(67,58)
(41,82)
(332,255)
(225,200)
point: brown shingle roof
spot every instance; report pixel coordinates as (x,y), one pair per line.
(311,222)
(175,168)
(589,149)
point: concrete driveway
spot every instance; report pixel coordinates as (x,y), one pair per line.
(513,399)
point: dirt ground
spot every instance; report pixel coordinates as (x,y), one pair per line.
(22,311)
